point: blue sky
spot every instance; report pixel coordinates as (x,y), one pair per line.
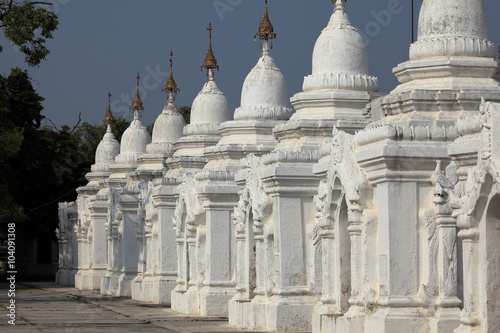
(101,45)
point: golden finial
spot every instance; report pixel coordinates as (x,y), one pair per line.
(137,103)
(266,29)
(171,86)
(210,60)
(108,117)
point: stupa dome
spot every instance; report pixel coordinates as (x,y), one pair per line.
(134,139)
(452,28)
(210,106)
(107,150)
(168,126)
(265,93)
(340,59)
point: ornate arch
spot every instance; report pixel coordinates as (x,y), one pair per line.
(188,208)
(254,198)
(344,179)
(465,195)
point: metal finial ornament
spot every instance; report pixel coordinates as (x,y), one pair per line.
(210,62)
(266,29)
(171,86)
(137,102)
(108,117)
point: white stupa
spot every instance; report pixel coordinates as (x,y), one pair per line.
(210,108)
(455,55)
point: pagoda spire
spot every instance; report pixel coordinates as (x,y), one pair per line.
(210,61)
(171,86)
(137,106)
(266,31)
(108,116)
(339,5)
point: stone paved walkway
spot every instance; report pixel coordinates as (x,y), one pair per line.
(47,307)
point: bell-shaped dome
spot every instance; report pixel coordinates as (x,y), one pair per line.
(106,152)
(340,48)
(134,139)
(453,18)
(340,59)
(265,93)
(452,28)
(168,126)
(166,130)
(210,106)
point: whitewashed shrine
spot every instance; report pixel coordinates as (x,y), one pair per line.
(355,212)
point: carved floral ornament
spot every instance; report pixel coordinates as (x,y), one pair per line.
(146,207)
(82,227)
(344,179)
(463,197)
(188,206)
(114,217)
(253,199)
(64,230)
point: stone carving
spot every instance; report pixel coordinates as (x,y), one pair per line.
(465,195)
(188,206)
(201,129)
(446,46)
(252,112)
(318,255)
(346,81)
(252,197)
(83,217)
(402,133)
(344,169)
(290,156)
(214,175)
(115,215)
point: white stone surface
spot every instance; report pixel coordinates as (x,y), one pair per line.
(205,235)
(347,218)
(68,245)
(276,211)
(123,225)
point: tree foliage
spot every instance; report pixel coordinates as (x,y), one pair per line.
(185,112)
(20,108)
(40,165)
(28,27)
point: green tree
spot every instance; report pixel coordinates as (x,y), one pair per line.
(28,27)
(185,111)
(20,108)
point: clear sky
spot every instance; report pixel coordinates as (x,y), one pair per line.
(101,45)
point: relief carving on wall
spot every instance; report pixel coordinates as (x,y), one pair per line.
(188,207)
(254,198)
(344,178)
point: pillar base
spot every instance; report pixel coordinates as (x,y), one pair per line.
(468,329)
(154,289)
(96,276)
(186,302)
(117,284)
(327,320)
(65,277)
(137,292)
(445,321)
(82,280)
(392,320)
(248,314)
(277,313)
(214,301)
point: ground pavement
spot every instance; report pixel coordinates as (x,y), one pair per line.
(47,307)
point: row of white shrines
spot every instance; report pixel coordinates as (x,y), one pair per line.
(356,213)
